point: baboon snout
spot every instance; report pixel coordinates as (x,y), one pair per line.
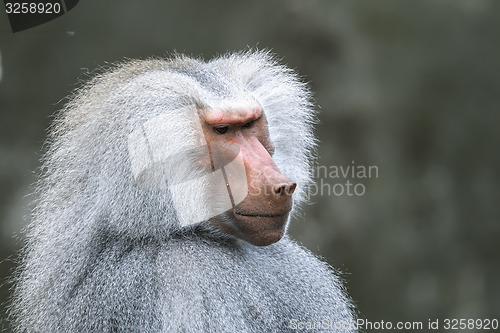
(266,180)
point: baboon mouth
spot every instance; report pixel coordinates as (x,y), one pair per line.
(260,215)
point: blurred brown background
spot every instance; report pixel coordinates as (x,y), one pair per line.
(412,87)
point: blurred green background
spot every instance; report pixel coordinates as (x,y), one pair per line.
(412,87)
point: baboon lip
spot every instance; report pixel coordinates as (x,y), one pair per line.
(260,215)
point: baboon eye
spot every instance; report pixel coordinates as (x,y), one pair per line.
(249,124)
(221,129)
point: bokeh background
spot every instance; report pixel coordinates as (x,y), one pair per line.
(412,87)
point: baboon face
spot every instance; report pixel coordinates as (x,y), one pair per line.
(217,166)
(261,216)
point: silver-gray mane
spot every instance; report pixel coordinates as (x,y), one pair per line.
(105,255)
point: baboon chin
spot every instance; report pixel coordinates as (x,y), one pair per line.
(151,167)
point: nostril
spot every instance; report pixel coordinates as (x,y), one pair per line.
(285,188)
(279,189)
(291,188)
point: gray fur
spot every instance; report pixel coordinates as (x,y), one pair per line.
(104,255)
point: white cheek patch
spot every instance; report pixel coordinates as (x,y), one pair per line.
(163,159)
